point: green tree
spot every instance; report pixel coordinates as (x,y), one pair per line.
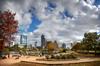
(15,48)
(90,41)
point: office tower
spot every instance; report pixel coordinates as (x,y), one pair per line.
(23,39)
(43,41)
(64,45)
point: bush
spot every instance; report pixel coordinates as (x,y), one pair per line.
(48,57)
(52,56)
(57,57)
(62,56)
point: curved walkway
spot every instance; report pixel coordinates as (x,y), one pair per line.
(14,61)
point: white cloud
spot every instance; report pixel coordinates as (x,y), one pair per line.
(21,9)
(86,17)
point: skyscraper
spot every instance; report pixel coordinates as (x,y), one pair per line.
(64,45)
(43,41)
(23,39)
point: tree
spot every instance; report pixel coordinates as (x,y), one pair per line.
(15,48)
(24,49)
(90,40)
(8,27)
(77,46)
(51,46)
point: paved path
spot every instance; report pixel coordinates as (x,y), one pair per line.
(67,61)
(14,62)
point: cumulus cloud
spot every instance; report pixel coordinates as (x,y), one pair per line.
(21,8)
(85,18)
(61,20)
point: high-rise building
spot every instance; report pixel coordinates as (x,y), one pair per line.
(64,45)
(23,39)
(43,41)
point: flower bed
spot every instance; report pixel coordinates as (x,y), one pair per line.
(60,57)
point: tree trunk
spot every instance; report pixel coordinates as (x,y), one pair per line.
(1,47)
(9,51)
(95,50)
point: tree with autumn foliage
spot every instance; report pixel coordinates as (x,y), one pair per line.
(52,46)
(77,46)
(8,27)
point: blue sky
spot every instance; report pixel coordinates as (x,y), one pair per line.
(61,20)
(35,22)
(51,6)
(97,2)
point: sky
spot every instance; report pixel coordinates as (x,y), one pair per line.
(62,20)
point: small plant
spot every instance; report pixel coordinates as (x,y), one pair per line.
(57,57)
(52,56)
(62,56)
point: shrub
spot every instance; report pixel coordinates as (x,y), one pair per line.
(57,57)
(47,57)
(62,56)
(52,56)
